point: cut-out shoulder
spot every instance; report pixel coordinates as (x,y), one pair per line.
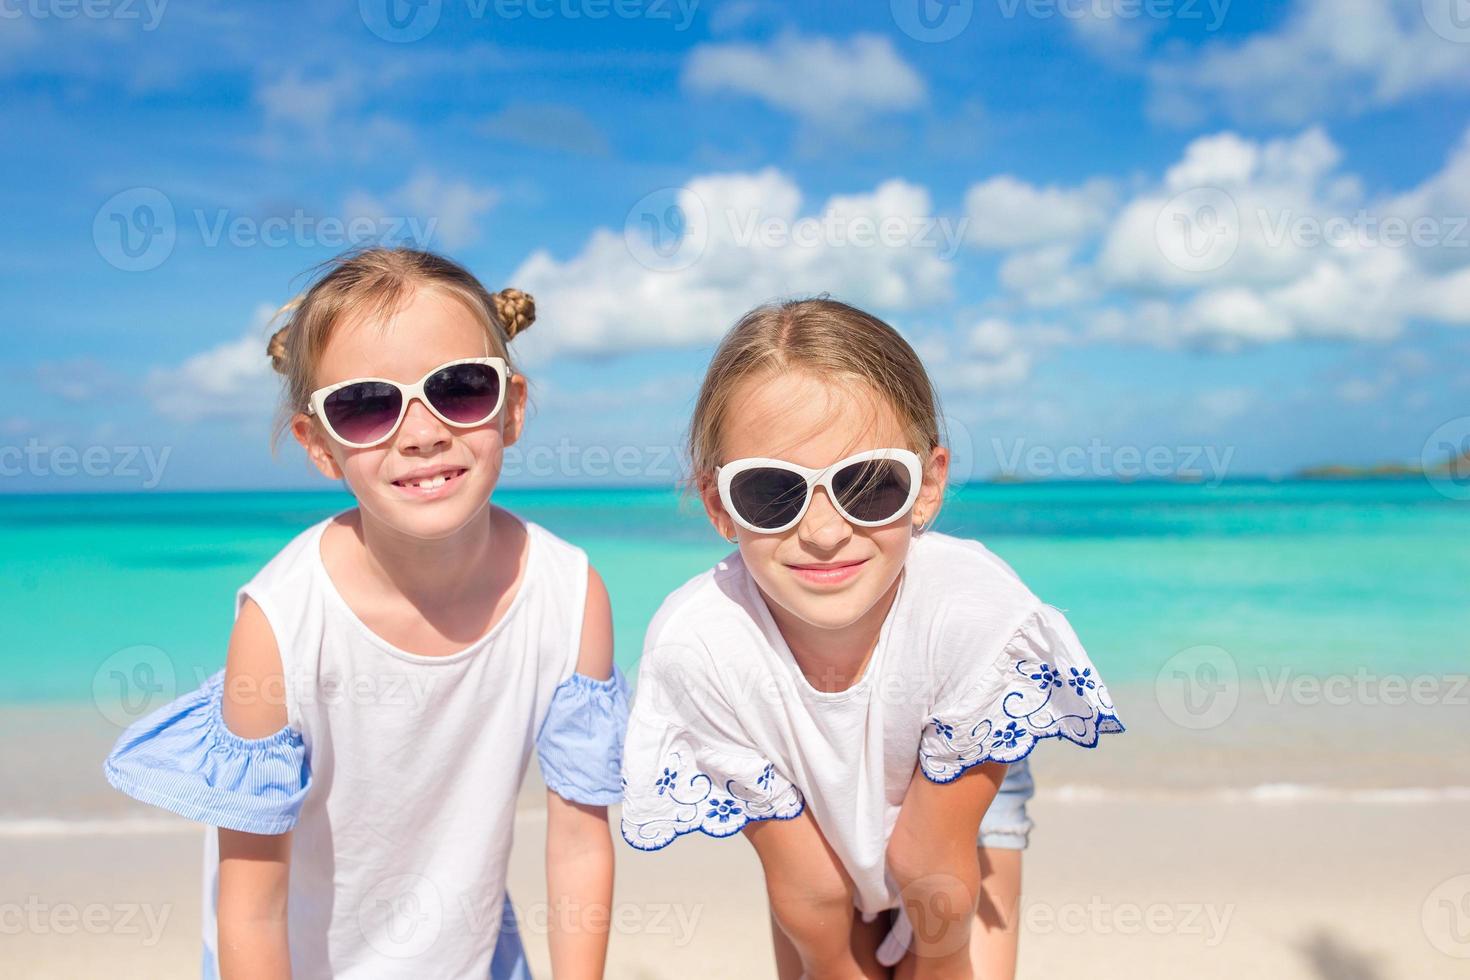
(595,656)
(253,704)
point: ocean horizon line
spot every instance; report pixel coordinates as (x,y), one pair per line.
(992,483)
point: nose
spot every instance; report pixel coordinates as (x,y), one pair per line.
(422,432)
(822,528)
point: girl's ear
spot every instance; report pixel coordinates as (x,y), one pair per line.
(309,435)
(516,394)
(931,491)
(714,508)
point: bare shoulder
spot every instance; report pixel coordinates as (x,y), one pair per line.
(254,702)
(595,658)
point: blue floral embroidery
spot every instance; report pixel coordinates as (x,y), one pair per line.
(1046,676)
(1035,704)
(723,809)
(665,781)
(1007,736)
(681,804)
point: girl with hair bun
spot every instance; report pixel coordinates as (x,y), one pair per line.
(392,669)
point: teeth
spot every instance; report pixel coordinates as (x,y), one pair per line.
(432,483)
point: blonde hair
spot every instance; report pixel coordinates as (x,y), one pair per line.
(829,339)
(375,282)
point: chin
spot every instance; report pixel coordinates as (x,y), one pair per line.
(830,611)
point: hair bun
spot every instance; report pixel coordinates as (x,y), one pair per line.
(276,350)
(516,309)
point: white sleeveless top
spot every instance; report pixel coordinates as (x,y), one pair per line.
(969,666)
(398,858)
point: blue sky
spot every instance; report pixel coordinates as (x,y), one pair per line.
(1129,237)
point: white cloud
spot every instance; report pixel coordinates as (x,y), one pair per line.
(323,114)
(447,213)
(827,82)
(1248,242)
(1046,277)
(1005,212)
(1327,56)
(993,354)
(758,243)
(310,103)
(1112,37)
(233,380)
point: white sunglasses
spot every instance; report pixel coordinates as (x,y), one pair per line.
(870,489)
(364,412)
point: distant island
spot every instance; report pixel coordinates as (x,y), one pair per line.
(1384,471)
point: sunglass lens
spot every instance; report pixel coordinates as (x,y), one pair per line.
(464,393)
(767,497)
(364,412)
(873,490)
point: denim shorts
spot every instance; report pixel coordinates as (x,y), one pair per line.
(1005,824)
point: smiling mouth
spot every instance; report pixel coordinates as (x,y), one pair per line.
(828,573)
(432,482)
(826,566)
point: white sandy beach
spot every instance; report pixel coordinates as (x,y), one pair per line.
(1155,856)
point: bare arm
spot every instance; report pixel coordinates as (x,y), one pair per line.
(932,856)
(254,869)
(810,894)
(579,853)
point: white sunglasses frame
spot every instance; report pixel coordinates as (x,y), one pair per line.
(725,475)
(316,404)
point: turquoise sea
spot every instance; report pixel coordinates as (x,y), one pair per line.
(1320,576)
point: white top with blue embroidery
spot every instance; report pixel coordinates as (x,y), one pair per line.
(725,729)
(397,773)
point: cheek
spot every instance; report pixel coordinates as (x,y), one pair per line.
(359,465)
(486,445)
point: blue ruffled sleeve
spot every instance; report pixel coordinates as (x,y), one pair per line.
(580,746)
(182,758)
(1042,686)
